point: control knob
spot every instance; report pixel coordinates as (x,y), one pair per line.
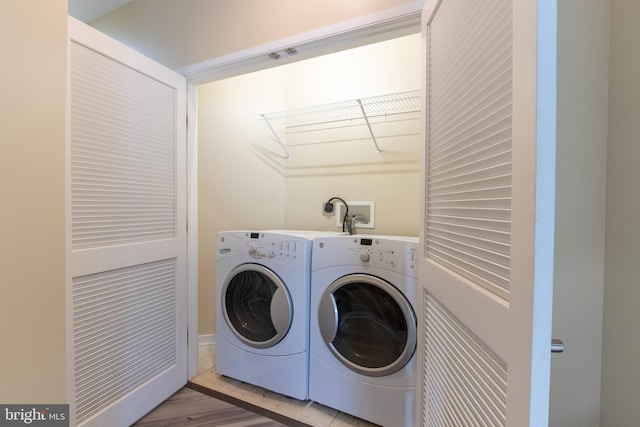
(253,249)
(364,256)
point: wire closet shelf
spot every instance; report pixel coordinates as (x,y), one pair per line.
(375,106)
(355,109)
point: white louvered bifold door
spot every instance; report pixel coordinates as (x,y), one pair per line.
(126,230)
(486,268)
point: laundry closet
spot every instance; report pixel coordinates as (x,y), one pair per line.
(246,181)
(255,171)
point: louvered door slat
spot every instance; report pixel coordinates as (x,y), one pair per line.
(466,382)
(122,150)
(469,153)
(121,316)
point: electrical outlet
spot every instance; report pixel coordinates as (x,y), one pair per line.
(328,209)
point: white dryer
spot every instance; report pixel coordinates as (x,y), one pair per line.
(262,319)
(363,327)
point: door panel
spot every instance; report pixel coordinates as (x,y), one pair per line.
(126,198)
(488,207)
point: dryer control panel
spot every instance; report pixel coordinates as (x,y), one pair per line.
(391,253)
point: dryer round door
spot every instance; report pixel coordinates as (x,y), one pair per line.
(256,305)
(367,324)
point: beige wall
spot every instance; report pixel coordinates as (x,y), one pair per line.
(33,38)
(621,342)
(580,210)
(342,161)
(185,32)
(245,182)
(240,180)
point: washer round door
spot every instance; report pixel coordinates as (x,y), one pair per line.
(256,305)
(367,324)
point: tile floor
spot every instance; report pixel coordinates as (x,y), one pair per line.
(307,412)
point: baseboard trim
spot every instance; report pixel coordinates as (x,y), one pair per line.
(207,339)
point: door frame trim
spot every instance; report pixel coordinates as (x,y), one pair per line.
(192,230)
(387,24)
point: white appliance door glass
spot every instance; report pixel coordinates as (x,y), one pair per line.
(126,230)
(257,306)
(486,265)
(368,325)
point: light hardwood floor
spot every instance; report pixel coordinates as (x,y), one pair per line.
(210,399)
(190,408)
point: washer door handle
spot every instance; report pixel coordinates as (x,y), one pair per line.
(281,311)
(328,317)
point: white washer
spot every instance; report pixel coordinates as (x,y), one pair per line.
(262,319)
(363,327)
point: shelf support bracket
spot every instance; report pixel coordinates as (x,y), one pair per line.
(366,119)
(275,134)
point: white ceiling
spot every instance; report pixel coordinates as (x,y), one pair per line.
(90,10)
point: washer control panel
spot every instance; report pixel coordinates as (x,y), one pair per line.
(263,245)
